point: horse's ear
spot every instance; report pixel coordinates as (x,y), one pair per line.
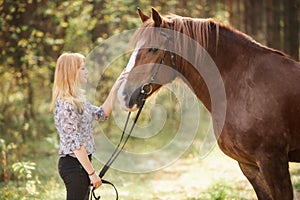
(156,18)
(142,15)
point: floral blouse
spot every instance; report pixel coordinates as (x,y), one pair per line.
(76,129)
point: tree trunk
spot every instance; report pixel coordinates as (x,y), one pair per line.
(240,10)
(291,28)
(231,12)
(277,28)
(100,28)
(248,17)
(273,28)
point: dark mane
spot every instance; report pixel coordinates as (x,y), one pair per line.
(204,26)
(196,28)
(232,32)
(200,28)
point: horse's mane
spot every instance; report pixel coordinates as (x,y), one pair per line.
(196,28)
(199,29)
(185,25)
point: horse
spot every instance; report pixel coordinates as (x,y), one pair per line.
(257,123)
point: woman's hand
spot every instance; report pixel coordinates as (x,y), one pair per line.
(120,80)
(107,106)
(84,160)
(95,180)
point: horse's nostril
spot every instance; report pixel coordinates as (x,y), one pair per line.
(133,96)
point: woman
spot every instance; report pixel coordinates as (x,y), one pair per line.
(73,117)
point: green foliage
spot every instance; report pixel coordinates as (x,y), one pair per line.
(9,154)
(295,177)
(24,169)
(218,191)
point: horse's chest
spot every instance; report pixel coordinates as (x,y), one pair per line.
(237,145)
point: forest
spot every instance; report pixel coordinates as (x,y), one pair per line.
(33,33)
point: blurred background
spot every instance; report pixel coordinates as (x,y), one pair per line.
(33,33)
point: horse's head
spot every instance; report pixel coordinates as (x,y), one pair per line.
(151,63)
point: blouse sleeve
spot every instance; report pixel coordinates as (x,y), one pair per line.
(98,113)
(69,121)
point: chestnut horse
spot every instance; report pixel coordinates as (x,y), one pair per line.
(261,127)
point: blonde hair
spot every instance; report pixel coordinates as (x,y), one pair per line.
(66,84)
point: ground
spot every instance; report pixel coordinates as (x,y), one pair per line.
(216,177)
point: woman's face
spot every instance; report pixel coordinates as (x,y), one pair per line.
(82,74)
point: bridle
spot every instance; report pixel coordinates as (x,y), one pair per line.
(147,87)
(145,90)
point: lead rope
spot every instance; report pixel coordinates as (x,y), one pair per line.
(117,151)
(145,90)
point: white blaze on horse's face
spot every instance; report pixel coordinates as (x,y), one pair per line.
(128,68)
(131,62)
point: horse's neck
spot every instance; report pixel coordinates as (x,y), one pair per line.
(234,50)
(230,47)
(198,85)
(223,55)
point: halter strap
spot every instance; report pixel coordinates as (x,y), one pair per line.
(144,89)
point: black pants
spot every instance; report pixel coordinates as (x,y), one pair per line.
(75,178)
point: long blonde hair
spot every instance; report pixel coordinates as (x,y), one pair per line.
(66,84)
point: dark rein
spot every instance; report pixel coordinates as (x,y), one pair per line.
(146,89)
(116,152)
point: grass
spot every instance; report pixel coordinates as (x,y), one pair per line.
(217,177)
(188,178)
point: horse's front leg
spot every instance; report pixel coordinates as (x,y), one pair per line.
(275,171)
(257,181)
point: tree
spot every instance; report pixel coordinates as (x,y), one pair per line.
(273,28)
(291,28)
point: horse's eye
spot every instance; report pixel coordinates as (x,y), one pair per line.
(153,50)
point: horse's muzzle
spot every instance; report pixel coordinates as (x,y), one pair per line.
(139,96)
